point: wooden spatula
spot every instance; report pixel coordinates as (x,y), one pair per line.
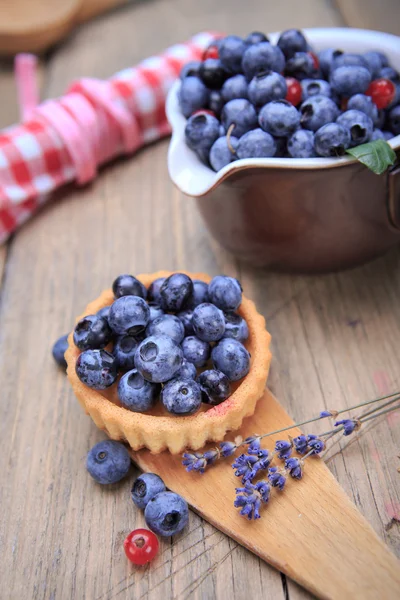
(36,25)
(311,531)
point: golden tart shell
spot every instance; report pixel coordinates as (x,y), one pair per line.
(159,432)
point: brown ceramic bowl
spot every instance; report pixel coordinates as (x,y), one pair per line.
(299,215)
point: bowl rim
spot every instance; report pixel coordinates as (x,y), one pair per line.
(196,179)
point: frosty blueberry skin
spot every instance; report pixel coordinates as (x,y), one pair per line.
(158,358)
(181,397)
(92,332)
(232,358)
(137,394)
(128,285)
(129,315)
(166,514)
(145,487)
(108,462)
(96,368)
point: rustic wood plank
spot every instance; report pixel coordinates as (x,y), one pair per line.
(367,14)
(65,532)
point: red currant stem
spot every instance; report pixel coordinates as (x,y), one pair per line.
(339,412)
(228,137)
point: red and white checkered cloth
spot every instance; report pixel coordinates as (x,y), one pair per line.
(66,139)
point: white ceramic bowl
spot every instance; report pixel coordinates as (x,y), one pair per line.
(196,179)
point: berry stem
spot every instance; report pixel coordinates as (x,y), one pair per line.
(228,137)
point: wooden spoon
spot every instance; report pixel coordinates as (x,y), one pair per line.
(311,531)
(34,26)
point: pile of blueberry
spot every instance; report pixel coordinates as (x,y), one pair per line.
(163,339)
(165,513)
(249,98)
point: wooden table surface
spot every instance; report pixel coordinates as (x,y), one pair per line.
(336,342)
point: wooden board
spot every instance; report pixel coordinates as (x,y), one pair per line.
(311,531)
(335,343)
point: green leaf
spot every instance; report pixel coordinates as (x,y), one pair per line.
(377,155)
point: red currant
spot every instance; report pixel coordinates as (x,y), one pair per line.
(141,546)
(211,52)
(382,92)
(315,59)
(294,91)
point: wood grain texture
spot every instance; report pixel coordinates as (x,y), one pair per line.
(335,341)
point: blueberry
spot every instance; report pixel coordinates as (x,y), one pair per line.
(212,73)
(300,65)
(136,393)
(181,396)
(256,144)
(190,69)
(97,369)
(359,125)
(374,62)
(104,312)
(241,113)
(326,58)
(348,59)
(232,358)
(279,118)
(201,131)
(225,292)
(318,111)
(186,318)
(215,386)
(255,38)
(292,41)
(393,120)
(221,152)
(235,327)
(231,49)
(331,140)
(92,332)
(216,103)
(199,294)
(314,87)
(389,73)
(208,322)
(175,292)
(222,131)
(301,144)
(350,80)
(384,58)
(124,352)
(266,86)
(108,462)
(128,285)
(158,358)
(196,351)
(262,57)
(193,95)
(145,487)
(377,134)
(365,104)
(155,311)
(153,293)
(167,325)
(59,349)
(234,87)
(167,514)
(187,370)
(128,315)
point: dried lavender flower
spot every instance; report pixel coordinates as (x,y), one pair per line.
(227,449)
(301,444)
(293,466)
(349,425)
(276,478)
(283,448)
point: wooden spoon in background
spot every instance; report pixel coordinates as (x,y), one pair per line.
(36,25)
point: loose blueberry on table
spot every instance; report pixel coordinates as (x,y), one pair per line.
(250,98)
(175,346)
